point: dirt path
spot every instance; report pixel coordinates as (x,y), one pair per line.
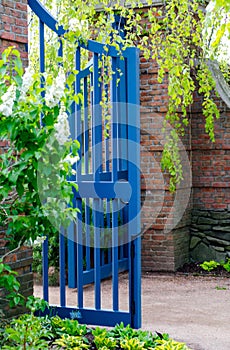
(195,310)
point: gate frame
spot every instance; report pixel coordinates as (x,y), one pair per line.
(91,316)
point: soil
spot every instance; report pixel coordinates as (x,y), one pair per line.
(195,269)
(190,307)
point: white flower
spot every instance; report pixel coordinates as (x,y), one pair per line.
(27,81)
(71,159)
(56,91)
(8,101)
(39,240)
(62,129)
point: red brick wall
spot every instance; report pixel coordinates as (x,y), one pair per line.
(13,25)
(165,244)
(20,261)
(211,161)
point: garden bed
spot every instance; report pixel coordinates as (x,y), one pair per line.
(31,332)
(194,268)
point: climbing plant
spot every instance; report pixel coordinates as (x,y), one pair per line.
(177,34)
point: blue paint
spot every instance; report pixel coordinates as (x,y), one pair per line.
(45,267)
(115,289)
(37,7)
(62,267)
(107,201)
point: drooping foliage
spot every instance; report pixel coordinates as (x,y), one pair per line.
(179,35)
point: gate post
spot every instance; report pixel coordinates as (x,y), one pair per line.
(133,74)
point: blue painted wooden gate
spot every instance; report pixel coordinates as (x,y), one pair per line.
(105,240)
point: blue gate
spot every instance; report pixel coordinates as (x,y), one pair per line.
(105,238)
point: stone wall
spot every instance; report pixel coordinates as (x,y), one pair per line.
(13,32)
(210,235)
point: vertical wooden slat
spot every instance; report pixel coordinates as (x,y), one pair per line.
(72,237)
(97,257)
(97,168)
(122,112)
(115,254)
(79,256)
(114,120)
(72,254)
(86,169)
(121,230)
(106,123)
(109,229)
(114,179)
(71,231)
(45,246)
(87,233)
(102,237)
(62,267)
(79,176)
(86,127)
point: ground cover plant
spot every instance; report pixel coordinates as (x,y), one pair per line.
(211,267)
(51,332)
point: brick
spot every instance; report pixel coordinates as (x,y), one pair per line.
(22,7)
(8,36)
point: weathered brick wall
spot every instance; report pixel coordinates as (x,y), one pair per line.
(13,32)
(13,25)
(210,229)
(165,239)
(21,262)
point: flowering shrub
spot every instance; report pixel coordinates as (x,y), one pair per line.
(40,153)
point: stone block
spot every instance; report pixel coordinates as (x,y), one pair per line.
(219,249)
(217,241)
(194,242)
(220,215)
(206,221)
(222,229)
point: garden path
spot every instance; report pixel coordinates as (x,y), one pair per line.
(192,309)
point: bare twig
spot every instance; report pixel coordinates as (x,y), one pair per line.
(14,250)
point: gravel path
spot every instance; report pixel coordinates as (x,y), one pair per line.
(192,309)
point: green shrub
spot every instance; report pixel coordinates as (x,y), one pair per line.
(212,265)
(209,265)
(226,265)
